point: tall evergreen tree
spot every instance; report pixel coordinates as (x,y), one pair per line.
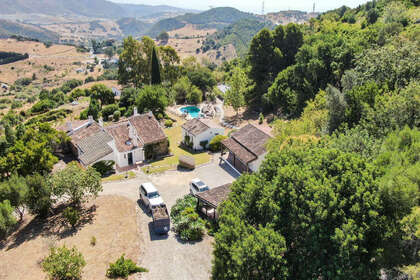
(156,79)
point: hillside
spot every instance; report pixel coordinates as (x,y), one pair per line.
(239,34)
(133,27)
(88,8)
(147,11)
(213,18)
(8,28)
(91,8)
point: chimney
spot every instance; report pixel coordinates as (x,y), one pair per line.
(101,122)
(135,112)
(90,120)
(69,127)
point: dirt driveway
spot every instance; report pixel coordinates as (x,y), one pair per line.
(167,257)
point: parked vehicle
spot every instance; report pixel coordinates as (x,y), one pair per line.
(161,220)
(149,196)
(197,186)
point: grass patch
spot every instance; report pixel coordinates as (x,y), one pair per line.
(120,177)
(175,137)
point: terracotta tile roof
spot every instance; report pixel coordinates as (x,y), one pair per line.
(252,138)
(198,126)
(121,134)
(247,143)
(74,124)
(94,147)
(195,127)
(84,132)
(240,152)
(148,129)
(215,196)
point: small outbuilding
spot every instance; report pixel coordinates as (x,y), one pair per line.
(197,133)
(209,201)
(246,148)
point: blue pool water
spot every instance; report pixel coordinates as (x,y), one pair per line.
(193,111)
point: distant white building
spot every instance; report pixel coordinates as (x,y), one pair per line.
(197,131)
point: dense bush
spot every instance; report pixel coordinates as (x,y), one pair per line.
(123,268)
(64,264)
(187,223)
(104,166)
(108,111)
(169,123)
(215,144)
(10,57)
(72,216)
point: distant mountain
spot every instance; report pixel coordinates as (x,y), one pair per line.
(215,18)
(134,10)
(8,28)
(88,8)
(133,27)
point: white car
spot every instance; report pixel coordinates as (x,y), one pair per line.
(149,196)
(197,186)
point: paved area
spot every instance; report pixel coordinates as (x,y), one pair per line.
(166,257)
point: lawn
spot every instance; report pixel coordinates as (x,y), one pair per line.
(175,137)
(119,177)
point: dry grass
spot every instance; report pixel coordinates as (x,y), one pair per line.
(59,57)
(188,47)
(113,223)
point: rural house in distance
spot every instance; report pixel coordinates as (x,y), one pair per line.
(128,142)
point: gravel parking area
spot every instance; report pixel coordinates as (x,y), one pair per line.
(166,257)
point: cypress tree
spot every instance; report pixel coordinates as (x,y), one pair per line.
(156,80)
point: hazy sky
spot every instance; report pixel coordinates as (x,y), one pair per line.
(254,6)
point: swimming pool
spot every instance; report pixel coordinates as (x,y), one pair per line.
(193,111)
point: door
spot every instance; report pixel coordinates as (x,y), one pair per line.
(130,158)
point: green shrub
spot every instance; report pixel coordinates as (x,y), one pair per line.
(187,223)
(169,123)
(93,241)
(72,216)
(109,110)
(64,264)
(16,104)
(116,116)
(84,114)
(123,268)
(43,106)
(216,143)
(261,118)
(203,144)
(104,166)
(89,79)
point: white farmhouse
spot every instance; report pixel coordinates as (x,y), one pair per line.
(196,132)
(127,143)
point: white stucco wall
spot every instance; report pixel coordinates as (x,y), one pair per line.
(121,159)
(255,165)
(207,135)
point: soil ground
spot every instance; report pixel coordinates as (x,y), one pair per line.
(112,222)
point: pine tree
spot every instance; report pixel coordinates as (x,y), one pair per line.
(156,80)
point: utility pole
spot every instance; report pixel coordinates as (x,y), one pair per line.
(263,11)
